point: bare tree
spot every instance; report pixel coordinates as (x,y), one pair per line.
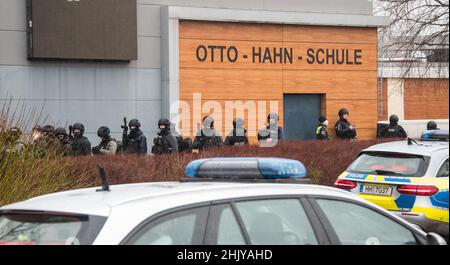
(417,38)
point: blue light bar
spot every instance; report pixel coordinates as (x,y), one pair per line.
(246,168)
(435,135)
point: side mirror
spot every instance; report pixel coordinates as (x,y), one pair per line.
(435,239)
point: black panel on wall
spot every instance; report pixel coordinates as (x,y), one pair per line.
(82,29)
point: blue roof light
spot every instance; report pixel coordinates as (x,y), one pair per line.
(246,168)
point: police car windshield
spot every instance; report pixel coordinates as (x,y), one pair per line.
(48,229)
(389,164)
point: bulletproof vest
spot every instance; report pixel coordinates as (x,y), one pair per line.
(268,133)
(392,132)
(133,142)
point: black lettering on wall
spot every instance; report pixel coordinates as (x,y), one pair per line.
(202,53)
(310,53)
(320,59)
(358,57)
(288,55)
(232,54)
(256,54)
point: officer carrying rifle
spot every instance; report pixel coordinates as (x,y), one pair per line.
(165,143)
(134,142)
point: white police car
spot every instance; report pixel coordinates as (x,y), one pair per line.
(209,209)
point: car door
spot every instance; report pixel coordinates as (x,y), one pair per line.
(264,221)
(353,223)
(183,226)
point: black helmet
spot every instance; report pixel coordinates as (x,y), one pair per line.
(78,126)
(134,123)
(208,122)
(342,112)
(432,125)
(60,131)
(238,123)
(273,116)
(48,129)
(103,132)
(393,119)
(322,119)
(164,122)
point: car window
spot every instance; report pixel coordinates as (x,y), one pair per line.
(379,163)
(357,225)
(48,229)
(179,228)
(443,171)
(228,230)
(276,222)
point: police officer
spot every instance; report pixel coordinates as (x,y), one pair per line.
(108,145)
(207,136)
(45,141)
(135,142)
(64,140)
(322,129)
(273,132)
(344,129)
(13,143)
(432,126)
(165,143)
(393,130)
(80,144)
(238,136)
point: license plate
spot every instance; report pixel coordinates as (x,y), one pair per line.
(377,190)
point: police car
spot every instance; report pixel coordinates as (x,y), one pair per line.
(408,178)
(224,201)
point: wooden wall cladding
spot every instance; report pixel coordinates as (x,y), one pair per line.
(426,99)
(261,62)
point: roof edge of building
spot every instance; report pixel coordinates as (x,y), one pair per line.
(274,17)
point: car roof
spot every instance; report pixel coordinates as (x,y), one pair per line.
(90,202)
(423,148)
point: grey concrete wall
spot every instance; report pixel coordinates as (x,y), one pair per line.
(95,93)
(101,93)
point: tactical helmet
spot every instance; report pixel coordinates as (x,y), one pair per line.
(273,116)
(393,119)
(322,119)
(164,122)
(432,125)
(103,132)
(134,123)
(78,126)
(208,122)
(48,129)
(343,112)
(60,131)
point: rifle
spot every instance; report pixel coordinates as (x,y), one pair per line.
(125,130)
(70,132)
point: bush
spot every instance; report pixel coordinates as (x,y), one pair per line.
(323,160)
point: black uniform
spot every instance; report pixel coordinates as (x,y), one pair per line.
(238,136)
(64,141)
(342,126)
(165,143)
(207,137)
(343,130)
(135,143)
(80,144)
(273,130)
(393,130)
